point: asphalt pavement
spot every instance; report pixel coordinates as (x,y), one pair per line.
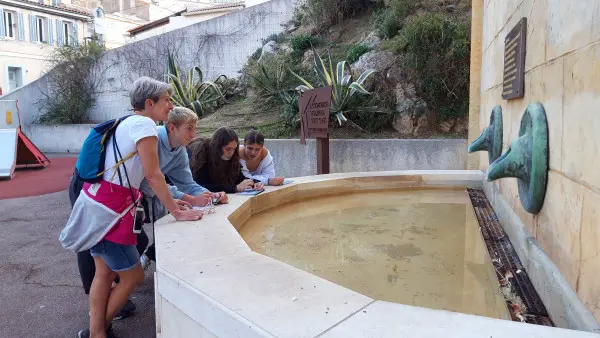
(40,288)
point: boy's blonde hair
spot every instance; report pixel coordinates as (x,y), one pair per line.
(182,115)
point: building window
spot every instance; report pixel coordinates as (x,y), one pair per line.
(15,78)
(10,24)
(41,29)
(67,29)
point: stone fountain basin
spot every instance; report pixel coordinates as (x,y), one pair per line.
(209,283)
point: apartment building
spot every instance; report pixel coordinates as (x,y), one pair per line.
(183,18)
(29,31)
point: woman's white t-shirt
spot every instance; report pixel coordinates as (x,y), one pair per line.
(128,133)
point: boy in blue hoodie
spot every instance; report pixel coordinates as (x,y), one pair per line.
(173,139)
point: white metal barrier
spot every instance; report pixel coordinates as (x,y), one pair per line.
(9,136)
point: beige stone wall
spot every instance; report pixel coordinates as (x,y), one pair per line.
(562,72)
(475,80)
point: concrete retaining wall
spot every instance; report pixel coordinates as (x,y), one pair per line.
(58,138)
(28,98)
(293,159)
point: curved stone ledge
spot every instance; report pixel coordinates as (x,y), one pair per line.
(210,284)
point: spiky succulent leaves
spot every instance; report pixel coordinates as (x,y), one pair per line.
(195,93)
(221,82)
(339,95)
(342,86)
(340,117)
(172,67)
(208,85)
(189,81)
(183,97)
(196,106)
(267,84)
(180,98)
(321,69)
(357,86)
(200,75)
(305,86)
(350,90)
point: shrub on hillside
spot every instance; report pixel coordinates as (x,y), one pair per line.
(270,78)
(322,14)
(302,42)
(257,53)
(356,51)
(402,8)
(388,21)
(298,15)
(374,112)
(273,37)
(437,51)
(277,38)
(384,23)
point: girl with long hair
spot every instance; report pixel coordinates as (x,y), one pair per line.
(215,163)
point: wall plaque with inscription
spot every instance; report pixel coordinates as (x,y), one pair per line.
(514,62)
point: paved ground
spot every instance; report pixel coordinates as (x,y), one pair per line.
(34,182)
(41,293)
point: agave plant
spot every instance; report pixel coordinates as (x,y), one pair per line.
(194,93)
(340,80)
(270,86)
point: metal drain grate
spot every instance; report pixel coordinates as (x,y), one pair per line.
(488,221)
(505,253)
(538,320)
(506,260)
(525,289)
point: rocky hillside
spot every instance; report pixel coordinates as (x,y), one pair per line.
(418,49)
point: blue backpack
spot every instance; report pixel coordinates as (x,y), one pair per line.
(90,163)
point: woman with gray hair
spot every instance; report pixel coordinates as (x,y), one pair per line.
(116,253)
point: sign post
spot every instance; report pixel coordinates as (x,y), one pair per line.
(322,155)
(314,122)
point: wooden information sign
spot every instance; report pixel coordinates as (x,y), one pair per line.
(314,122)
(514,61)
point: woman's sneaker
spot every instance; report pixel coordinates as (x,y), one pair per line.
(145,261)
(85,333)
(126,311)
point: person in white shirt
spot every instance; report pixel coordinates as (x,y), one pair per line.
(136,139)
(256,160)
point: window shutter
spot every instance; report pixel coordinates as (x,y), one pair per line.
(21,26)
(50,32)
(59,32)
(75,35)
(2,32)
(32,30)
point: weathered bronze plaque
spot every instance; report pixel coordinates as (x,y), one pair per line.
(314,112)
(514,61)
